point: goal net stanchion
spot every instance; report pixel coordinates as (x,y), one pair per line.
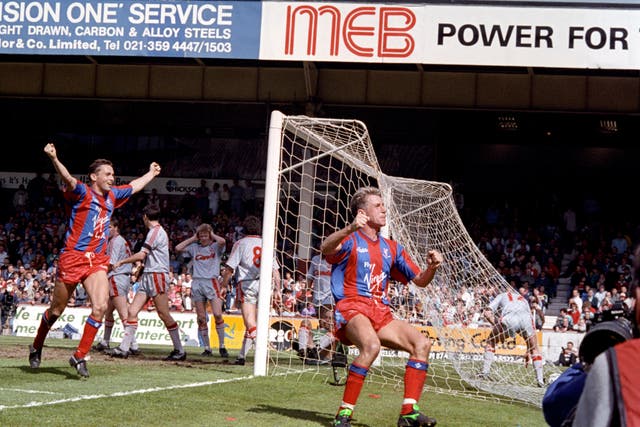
(314,166)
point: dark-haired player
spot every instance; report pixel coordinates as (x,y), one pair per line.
(84,256)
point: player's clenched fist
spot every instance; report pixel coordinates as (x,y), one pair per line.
(434,258)
(155,168)
(50,150)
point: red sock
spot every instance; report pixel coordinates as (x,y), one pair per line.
(355,381)
(91,327)
(414,377)
(46,323)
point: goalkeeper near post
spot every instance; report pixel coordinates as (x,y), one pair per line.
(363,262)
(515,318)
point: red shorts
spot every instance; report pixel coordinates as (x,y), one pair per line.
(74,267)
(378,313)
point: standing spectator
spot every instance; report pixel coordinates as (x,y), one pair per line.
(20,199)
(236,193)
(244,262)
(225,199)
(214,199)
(51,191)
(619,243)
(8,306)
(35,191)
(153,198)
(570,226)
(187,301)
(3,254)
(153,286)
(202,198)
(363,262)
(205,249)
(249,198)
(84,258)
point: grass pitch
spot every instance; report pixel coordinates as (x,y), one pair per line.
(147,391)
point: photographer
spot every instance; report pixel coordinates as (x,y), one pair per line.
(610,396)
(8,306)
(567,356)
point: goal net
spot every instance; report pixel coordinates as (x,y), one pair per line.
(315,165)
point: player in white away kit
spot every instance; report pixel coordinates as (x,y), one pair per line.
(205,249)
(319,276)
(244,262)
(119,285)
(154,283)
(514,318)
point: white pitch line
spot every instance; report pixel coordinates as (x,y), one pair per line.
(28,391)
(121,393)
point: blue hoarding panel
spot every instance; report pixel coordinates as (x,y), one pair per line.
(141,28)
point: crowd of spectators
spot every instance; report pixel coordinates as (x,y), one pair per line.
(529,257)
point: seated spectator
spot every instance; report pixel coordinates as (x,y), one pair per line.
(563,321)
(288,303)
(316,346)
(309,310)
(574,312)
(581,326)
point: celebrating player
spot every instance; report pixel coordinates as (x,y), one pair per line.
(205,249)
(154,283)
(363,262)
(244,261)
(83,257)
(515,318)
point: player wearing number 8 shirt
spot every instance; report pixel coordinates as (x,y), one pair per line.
(244,262)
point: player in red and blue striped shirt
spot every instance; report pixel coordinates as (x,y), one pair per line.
(363,263)
(84,258)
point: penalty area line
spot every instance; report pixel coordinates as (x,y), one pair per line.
(122,393)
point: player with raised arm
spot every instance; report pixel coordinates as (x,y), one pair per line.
(205,249)
(84,256)
(244,262)
(509,314)
(363,263)
(119,285)
(154,284)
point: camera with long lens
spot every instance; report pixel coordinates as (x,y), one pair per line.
(618,311)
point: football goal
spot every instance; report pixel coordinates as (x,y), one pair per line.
(314,166)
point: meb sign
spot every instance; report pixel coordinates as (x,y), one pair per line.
(451,34)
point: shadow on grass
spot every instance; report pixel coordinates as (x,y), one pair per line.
(300,414)
(69,373)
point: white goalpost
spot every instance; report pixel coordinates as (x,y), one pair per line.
(313,167)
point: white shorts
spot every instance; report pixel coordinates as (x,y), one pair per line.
(521,324)
(119,285)
(248,291)
(205,290)
(153,284)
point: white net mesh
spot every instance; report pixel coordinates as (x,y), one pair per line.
(322,163)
